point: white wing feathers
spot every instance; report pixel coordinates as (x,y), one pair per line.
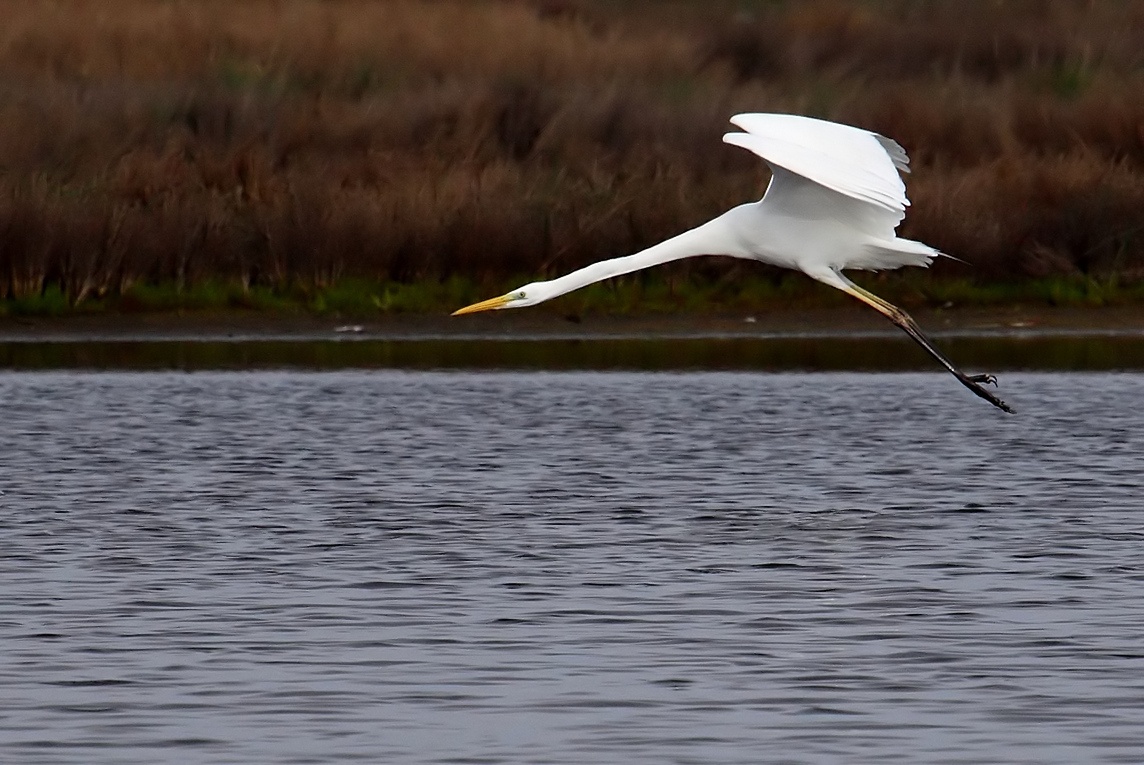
(896,152)
(855,162)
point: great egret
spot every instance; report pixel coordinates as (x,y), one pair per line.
(834,201)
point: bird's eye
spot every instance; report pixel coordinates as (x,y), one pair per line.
(520,295)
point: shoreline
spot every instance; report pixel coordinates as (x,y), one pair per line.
(837,322)
(831,339)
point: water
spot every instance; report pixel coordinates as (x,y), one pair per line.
(569,567)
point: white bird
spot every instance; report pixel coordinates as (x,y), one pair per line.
(833,203)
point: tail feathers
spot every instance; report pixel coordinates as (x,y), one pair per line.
(951,257)
(895,254)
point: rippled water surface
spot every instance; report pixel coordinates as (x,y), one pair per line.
(529,567)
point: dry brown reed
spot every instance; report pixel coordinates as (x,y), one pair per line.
(298,142)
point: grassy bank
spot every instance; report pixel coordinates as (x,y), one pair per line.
(359,156)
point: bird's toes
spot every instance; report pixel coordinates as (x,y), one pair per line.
(985,379)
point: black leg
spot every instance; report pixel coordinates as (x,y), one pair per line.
(911,328)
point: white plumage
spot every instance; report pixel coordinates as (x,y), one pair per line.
(851,161)
(833,203)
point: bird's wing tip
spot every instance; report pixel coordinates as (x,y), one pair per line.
(896,152)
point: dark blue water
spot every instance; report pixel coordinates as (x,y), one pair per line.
(460,567)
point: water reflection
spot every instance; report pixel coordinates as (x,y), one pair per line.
(1057,352)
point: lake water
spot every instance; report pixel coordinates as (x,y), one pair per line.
(570,567)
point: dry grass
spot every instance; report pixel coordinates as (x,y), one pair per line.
(298,142)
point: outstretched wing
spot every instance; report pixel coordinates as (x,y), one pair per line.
(849,160)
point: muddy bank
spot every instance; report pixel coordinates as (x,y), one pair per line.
(524,325)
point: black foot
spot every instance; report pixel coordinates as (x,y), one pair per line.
(974,382)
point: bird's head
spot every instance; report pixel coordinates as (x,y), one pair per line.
(521,297)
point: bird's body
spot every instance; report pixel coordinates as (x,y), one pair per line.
(834,202)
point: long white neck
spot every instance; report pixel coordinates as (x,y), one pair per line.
(711,238)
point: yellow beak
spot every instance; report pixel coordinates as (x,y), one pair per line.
(484,305)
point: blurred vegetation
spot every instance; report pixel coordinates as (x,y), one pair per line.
(358,156)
